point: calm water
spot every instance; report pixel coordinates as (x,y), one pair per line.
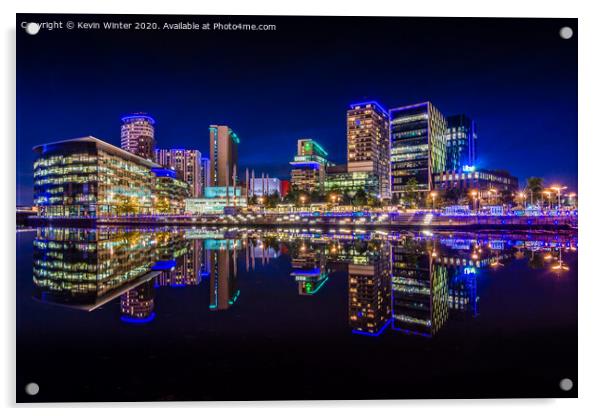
(207,314)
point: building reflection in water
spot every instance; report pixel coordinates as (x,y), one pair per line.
(420,289)
(369,283)
(412,283)
(138,304)
(309,268)
(86,268)
(223,291)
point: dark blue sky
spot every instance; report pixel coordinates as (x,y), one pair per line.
(516,78)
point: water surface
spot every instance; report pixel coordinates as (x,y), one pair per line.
(115,314)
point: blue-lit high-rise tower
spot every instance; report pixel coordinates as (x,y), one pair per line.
(460,139)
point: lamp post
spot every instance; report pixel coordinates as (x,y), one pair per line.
(475,198)
(493,192)
(433,195)
(302,198)
(559,190)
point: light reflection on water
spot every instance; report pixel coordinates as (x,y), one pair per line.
(409,282)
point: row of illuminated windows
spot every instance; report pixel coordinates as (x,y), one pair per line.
(57,160)
(65,169)
(66,179)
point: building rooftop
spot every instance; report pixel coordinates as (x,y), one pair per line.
(102,145)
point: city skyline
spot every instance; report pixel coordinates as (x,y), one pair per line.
(524,125)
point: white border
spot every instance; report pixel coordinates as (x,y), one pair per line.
(590,150)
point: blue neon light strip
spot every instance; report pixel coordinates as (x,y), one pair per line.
(164,265)
(135,116)
(163,173)
(373,334)
(410,332)
(131,320)
(374,103)
(407,107)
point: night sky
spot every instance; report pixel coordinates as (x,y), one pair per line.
(516,78)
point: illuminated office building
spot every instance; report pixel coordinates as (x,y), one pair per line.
(187,164)
(460,140)
(370,293)
(419,290)
(169,192)
(470,179)
(418,146)
(223,151)
(309,166)
(89,178)
(368,143)
(138,135)
(338,178)
(216,200)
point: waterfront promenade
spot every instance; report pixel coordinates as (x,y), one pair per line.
(421,219)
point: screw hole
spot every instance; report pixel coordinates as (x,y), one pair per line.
(566,32)
(32,389)
(566,384)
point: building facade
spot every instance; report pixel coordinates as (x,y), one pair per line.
(169,192)
(418,147)
(309,166)
(339,179)
(368,143)
(89,178)
(264,186)
(138,135)
(205,172)
(460,140)
(480,180)
(187,164)
(216,199)
(223,152)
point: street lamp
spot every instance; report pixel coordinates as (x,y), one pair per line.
(475,198)
(558,189)
(493,192)
(433,195)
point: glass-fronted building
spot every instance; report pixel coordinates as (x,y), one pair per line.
(460,140)
(418,147)
(341,180)
(216,199)
(471,179)
(89,178)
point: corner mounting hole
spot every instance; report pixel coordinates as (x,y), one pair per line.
(32,389)
(566,32)
(566,384)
